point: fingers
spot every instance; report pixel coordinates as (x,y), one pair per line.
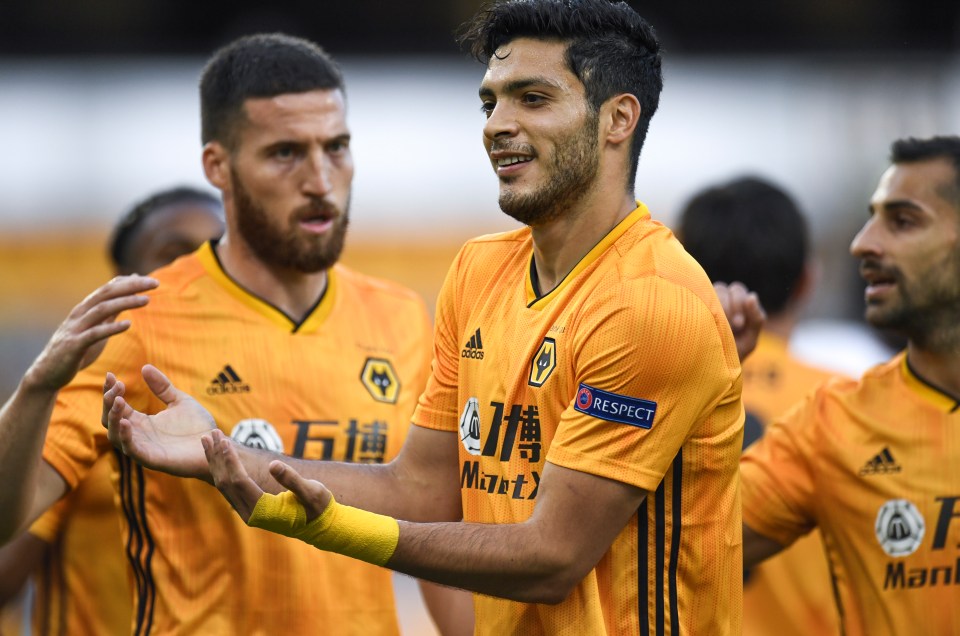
(118,287)
(229,474)
(313,495)
(112,389)
(160,384)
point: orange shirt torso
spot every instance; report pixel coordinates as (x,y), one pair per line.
(790,594)
(340,385)
(875,465)
(627,370)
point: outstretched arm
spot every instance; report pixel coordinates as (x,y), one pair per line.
(421,484)
(31,485)
(539,560)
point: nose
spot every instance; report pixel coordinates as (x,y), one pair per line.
(501,122)
(316,178)
(866,242)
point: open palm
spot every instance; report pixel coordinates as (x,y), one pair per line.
(168,441)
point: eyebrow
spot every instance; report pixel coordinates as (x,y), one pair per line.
(520,84)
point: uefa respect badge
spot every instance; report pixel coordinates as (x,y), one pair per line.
(614,407)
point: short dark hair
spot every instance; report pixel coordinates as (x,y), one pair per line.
(748,230)
(946,147)
(255,66)
(612,50)
(127,228)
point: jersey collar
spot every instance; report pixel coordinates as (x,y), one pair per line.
(938,397)
(539,302)
(314,318)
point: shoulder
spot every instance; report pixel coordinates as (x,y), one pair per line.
(376,290)
(177,278)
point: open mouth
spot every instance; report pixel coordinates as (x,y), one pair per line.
(317,221)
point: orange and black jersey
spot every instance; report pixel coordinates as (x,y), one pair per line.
(626,370)
(340,385)
(875,465)
(790,594)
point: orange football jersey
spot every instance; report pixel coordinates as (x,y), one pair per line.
(875,465)
(626,370)
(340,385)
(790,594)
(82,587)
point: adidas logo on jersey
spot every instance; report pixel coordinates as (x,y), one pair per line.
(473,348)
(882,463)
(227,381)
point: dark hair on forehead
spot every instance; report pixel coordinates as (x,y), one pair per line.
(911,149)
(612,50)
(258,66)
(748,230)
(127,228)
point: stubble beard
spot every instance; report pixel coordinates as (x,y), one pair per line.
(289,248)
(569,175)
(927,315)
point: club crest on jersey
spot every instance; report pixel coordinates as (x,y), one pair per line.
(380,380)
(543,363)
(900,527)
(614,407)
(257,434)
(470,426)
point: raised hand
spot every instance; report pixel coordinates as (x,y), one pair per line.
(231,478)
(168,441)
(82,336)
(744,313)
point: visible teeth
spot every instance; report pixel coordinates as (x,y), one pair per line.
(509,161)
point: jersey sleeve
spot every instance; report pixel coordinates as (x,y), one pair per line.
(437,408)
(75,437)
(652,361)
(777,478)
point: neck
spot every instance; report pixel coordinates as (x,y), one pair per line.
(939,366)
(560,244)
(293,292)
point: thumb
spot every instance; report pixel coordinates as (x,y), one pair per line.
(160,385)
(313,496)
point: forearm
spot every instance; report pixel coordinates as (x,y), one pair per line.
(513,561)
(421,484)
(23,427)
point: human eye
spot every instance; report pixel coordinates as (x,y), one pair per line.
(533,99)
(338,146)
(283,152)
(487,106)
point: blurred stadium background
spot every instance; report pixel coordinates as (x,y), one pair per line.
(98,107)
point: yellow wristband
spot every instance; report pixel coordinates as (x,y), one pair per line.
(342,529)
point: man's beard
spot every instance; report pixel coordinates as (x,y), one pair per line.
(571,172)
(289,248)
(927,313)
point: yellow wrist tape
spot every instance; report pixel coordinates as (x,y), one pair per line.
(342,529)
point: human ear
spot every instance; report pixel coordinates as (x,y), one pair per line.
(621,114)
(216,164)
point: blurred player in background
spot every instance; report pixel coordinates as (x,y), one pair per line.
(264,308)
(75,551)
(874,464)
(749,230)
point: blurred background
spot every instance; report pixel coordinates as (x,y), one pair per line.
(98,107)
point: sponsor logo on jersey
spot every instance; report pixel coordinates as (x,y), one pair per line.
(470,426)
(543,363)
(473,347)
(614,407)
(899,527)
(227,382)
(380,380)
(257,434)
(882,463)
